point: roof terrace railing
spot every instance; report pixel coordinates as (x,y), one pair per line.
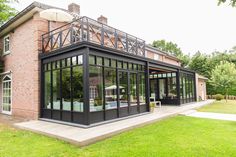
(86,29)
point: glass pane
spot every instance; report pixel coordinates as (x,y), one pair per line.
(193,87)
(107,62)
(184,87)
(181,87)
(49,66)
(92,60)
(53,65)
(99,60)
(187,87)
(47,90)
(120,65)
(58,64)
(142,95)
(63,63)
(172,91)
(123,88)
(74,60)
(113,63)
(133,89)
(77,86)
(45,67)
(162,88)
(153,89)
(130,66)
(66,89)
(110,88)
(96,88)
(125,65)
(56,89)
(80,59)
(68,62)
(6,44)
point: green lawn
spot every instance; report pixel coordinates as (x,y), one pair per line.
(220,107)
(174,137)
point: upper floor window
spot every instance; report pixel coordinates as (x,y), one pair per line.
(156,57)
(6,44)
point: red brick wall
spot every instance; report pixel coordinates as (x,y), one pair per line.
(171,61)
(23,62)
(163,58)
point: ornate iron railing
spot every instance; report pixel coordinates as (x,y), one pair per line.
(86,29)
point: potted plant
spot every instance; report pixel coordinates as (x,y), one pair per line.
(152,106)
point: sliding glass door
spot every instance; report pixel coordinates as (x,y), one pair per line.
(133,97)
(123,93)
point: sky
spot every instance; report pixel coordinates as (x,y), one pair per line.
(195,25)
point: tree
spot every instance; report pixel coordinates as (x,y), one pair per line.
(201,64)
(231,2)
(169,47)
(224,76)
(172,49)
(6,12)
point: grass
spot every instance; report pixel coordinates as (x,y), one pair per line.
(174,137)
(220,107)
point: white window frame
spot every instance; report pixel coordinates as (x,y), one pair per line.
(4,44)
(7,112)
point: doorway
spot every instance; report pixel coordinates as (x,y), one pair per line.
(128,93)
(6,95)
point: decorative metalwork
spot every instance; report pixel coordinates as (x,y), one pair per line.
(86,29)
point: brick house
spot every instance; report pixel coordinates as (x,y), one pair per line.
(85,72)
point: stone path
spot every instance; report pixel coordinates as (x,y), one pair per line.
(210,115)
(85,136)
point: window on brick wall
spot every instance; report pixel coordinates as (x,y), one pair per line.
(6,94)
(6,45)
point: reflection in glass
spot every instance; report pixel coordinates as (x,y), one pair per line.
(77,87)
(47,90)
(96,88)
(56,89)
(66,89)
(153,89)
(181,87)
(123,88)
(80,59)
(172,91)
(110,88)
(162,88)
(133,89)
(142,96)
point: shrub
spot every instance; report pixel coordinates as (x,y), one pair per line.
(219,97)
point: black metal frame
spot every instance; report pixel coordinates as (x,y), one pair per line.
(83,29)
(88,48)
(167,100)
